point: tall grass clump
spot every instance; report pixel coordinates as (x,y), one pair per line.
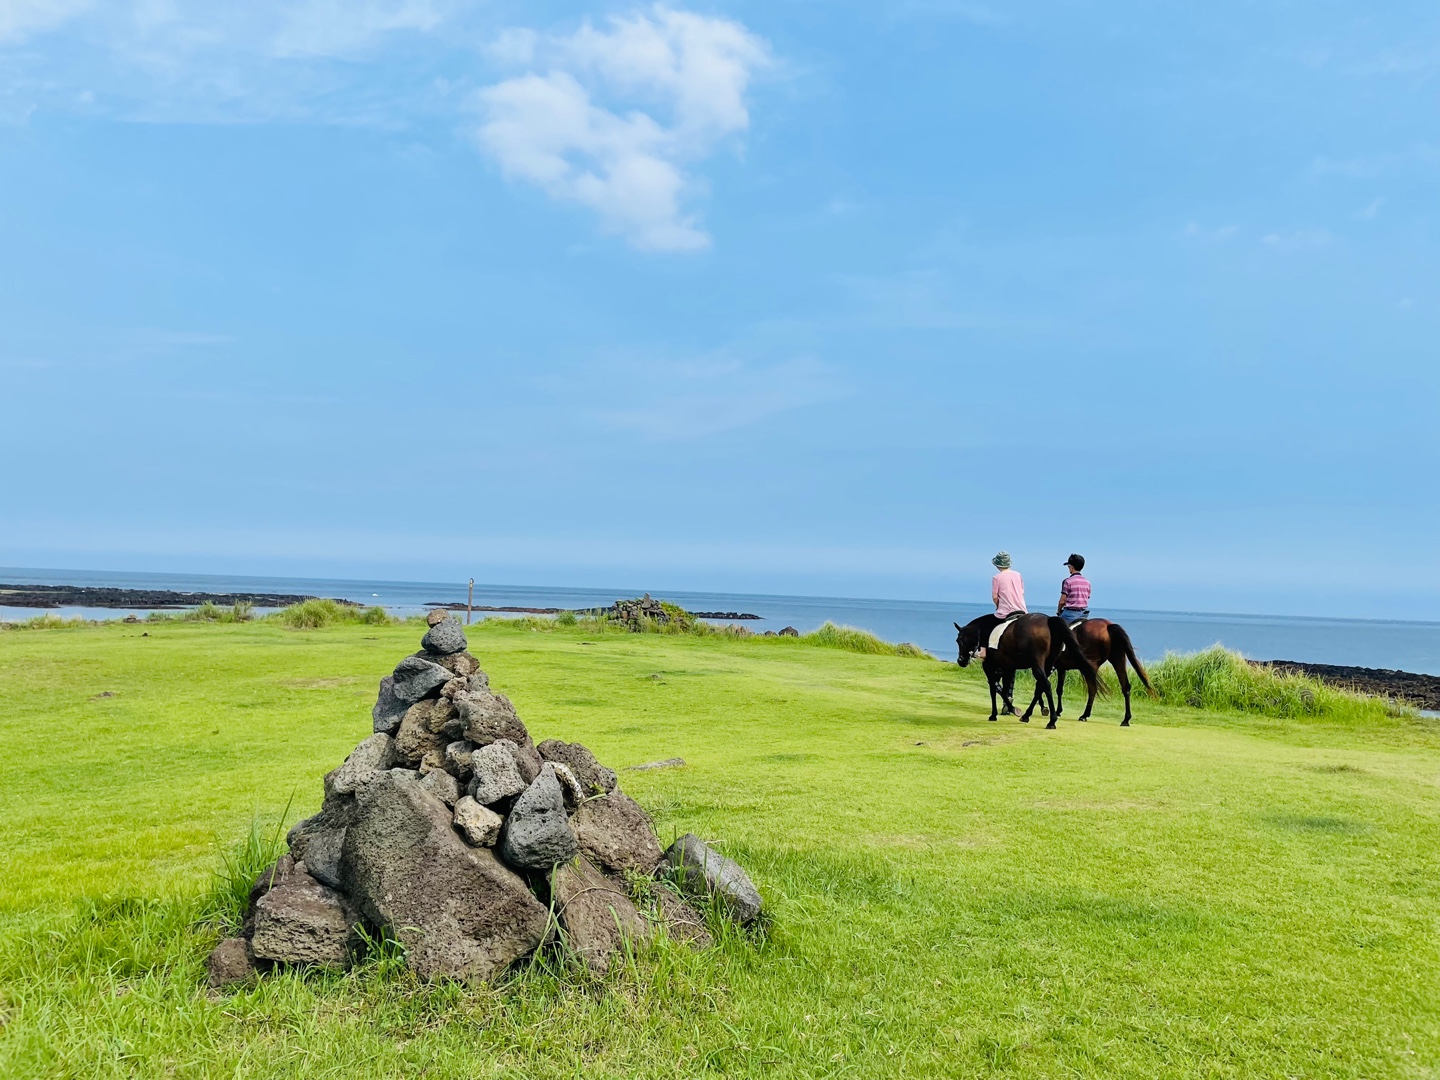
(1220,679)
(319,612)
(229,893)
(853,639)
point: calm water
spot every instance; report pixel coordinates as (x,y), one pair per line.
(1409,646)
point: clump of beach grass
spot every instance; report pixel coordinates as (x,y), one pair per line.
(853,639)
(319,612)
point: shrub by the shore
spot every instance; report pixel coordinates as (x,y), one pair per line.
(319,612)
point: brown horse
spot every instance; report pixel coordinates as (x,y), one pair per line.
(1099,641)
(1032,642)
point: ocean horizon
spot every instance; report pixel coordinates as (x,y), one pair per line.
(1406,645)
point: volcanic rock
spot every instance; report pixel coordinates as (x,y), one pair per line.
(442,785)
(488,717)
(496,773)
(700,869)
(456,909)
(374,755)
(444,638)
(595,779)
(317,841)
(569,786)
(304,922)
(614,832)
(416,678)
(597,915)
(436,615)
(417,736)
(478,824)
(389,709)
(461,665)
(230,963)
(457,758)
(537,836)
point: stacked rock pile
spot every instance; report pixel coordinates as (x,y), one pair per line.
(450,831)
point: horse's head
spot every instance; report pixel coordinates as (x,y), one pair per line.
(967,642)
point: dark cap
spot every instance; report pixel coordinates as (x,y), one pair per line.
(1077,561)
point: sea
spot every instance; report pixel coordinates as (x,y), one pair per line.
(1374,643)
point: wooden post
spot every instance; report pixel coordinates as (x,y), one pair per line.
(470,601)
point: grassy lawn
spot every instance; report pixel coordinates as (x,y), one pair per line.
(1199,895)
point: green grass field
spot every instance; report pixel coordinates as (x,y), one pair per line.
(1203,894)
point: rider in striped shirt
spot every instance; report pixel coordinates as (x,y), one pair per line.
(1074,592)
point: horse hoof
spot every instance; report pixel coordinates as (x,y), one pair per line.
(1124,723)
(1050,726)
(1024,719)
(1084,719)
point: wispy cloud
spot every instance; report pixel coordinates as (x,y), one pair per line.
(1216,234)
(1298,240)
(619,116)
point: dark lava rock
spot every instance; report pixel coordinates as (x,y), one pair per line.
(615,832)
(373,756)
(700,870)
(304,922)
(442,785)
(416,678)
(594,778)
(537,835)
(461,665)
(456,909)
(488,717)
(597,915)
(230,963)
(789,631)
(417,735)
(317,841)
(444,638)
(389,709)
(457,758)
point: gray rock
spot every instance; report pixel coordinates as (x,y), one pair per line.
(442,785)
(488,717)
(304,922)
(373,756)
(478,824)
(456,909)
(277,873)
(668,763)
(682,922)
(417,737)
(436,615)
(457,758)
(456,687)
(317,841)
(389,709)
(416,678)
(595,778)
(597,915)
(615,832)
(444,638)
(496,773)
(460,665)
(537,835)
(701,870)
(230,963)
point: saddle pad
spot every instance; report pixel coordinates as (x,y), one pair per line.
(1000,628)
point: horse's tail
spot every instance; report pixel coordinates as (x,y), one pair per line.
(1059,628)
(1118,634)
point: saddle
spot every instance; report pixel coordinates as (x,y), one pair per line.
(1000,627)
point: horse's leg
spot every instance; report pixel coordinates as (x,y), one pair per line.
(1059,690)
(1123,678)
(1090,701)
(991,677)
(1007,693)
(1042,686)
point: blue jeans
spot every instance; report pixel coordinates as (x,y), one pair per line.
(1074,615)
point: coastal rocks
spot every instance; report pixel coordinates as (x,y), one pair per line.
(451,832)
(701,870)
(444,638)
(595,779)
(537,835)
(597,915)
(614,832)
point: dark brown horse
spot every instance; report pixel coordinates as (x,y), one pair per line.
(1100,641)
(1031,642)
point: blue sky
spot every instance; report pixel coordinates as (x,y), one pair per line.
(787,297)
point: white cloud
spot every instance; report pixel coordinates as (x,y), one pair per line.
(622,114)
(1371,210)
(23,19)
(1300,240)
(345,27)
(1219,234)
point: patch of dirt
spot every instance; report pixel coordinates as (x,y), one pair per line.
(320,684)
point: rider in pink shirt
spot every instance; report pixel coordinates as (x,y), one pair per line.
(1007,588)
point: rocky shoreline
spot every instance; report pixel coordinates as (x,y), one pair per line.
(55,596)
(1407,687)
(611,610)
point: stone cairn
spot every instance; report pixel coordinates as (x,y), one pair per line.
(451,832)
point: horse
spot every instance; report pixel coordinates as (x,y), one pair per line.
(1100,641)
(1034,642)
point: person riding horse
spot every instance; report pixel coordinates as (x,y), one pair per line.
(1074,592)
